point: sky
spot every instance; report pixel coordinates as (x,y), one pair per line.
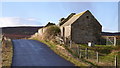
(40,13)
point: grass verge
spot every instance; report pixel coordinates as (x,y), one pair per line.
(106,57)
(61,51)
(7,53)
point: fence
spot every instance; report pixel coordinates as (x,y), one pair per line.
(92,55)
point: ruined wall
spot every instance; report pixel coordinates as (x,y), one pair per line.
(42,30)
(66,31)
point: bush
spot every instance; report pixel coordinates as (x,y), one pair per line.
(51,32)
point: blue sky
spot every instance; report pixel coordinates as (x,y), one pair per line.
(40,13)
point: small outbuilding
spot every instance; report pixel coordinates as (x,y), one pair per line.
(81,28)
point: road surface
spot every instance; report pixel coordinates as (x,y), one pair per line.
(35,53)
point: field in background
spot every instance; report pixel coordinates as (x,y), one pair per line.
(19,32)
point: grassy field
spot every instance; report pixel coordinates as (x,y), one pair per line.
(106,54)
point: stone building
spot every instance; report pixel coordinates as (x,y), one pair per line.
(81,28)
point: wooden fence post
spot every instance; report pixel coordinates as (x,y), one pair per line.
(97,54)
(86,53)
(78,50)
(80,53)
(70,43)
(115,61)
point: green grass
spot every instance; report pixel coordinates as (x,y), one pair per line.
(105,49)
(106,54)
(110,58)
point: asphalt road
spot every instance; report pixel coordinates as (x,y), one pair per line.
(34,53)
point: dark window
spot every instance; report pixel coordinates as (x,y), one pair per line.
(87,17)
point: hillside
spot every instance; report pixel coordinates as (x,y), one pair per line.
(19,32)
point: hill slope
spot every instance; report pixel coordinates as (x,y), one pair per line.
(19,32)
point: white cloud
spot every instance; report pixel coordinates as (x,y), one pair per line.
(16,21)
(31,19)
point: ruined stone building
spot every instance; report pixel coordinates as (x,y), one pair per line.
(81,28)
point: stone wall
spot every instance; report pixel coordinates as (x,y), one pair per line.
(42,30)
(86,29)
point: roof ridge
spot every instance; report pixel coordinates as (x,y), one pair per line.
(79,14)
(74,18)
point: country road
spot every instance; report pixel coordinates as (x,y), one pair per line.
(35,53)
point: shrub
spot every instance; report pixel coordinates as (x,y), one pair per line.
(51,32)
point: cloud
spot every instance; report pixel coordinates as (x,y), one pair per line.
(16,21)
(31,19)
